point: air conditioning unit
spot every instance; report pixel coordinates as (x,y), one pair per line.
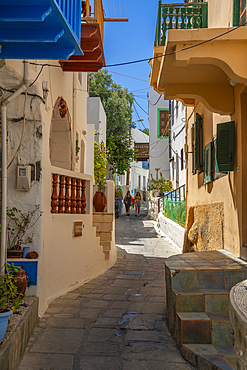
(23,182)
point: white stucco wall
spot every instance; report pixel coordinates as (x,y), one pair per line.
(90,150)
(158,147)
(96,115)
(177,141)
(64,261)
(218,15)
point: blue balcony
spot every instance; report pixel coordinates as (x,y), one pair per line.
(40,29)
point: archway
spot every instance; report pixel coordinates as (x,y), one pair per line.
(60,136)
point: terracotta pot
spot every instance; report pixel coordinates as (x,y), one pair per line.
(20,280)
(99,201)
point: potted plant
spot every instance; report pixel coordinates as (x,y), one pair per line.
(100,162)
(18,226)
(10,299)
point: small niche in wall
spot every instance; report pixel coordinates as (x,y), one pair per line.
(77,230)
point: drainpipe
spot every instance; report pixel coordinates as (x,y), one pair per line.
(4,104)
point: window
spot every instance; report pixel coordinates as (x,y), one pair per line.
(163,122)
(208,165)
(225,146)
(197,132)
(243,8)
(139,182)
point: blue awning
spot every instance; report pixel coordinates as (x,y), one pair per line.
(40,29)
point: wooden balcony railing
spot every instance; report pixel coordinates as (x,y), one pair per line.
(142,151)
(179,16)
(97,16)
(68,195)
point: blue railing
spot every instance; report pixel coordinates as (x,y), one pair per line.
(70,10)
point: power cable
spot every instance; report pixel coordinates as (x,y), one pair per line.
(121,74)
(148,59)
(141,108)
(156,101)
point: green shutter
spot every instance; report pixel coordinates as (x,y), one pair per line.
(197,144)
(225,146)
(208,163)
(236,13)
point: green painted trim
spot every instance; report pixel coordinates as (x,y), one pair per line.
(158,123)
(236,13)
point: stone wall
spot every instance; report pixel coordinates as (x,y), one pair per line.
(204,228)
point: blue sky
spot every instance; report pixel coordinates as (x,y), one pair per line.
(132,40)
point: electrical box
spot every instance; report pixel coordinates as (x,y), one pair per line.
(23,182)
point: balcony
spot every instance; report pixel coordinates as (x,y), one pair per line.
(179,16)
(40,29)
(187,67)
(92,27)
(142,151)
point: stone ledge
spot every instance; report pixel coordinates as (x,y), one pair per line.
(173,230)
(14,347)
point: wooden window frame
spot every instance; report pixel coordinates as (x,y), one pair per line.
(197,140)
(158,123)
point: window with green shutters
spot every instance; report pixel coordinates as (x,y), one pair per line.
(225,146)
(208,163)
(197,129)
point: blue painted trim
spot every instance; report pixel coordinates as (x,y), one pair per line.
(51,27)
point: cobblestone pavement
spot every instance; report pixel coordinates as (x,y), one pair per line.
(116,321)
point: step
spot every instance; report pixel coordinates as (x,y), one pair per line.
(211,357)
(104,236)
(106,244)
(103,216)
(205,270)
(103,226)
(201,300)
(203,328)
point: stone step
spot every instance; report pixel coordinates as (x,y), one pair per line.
(104,235)
(103,216)
(211,357)
(201,300)
(204,328)
(103,226)
(106,244)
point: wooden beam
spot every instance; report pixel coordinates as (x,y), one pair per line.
(116,19)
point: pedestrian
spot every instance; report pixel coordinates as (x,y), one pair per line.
(137,203)
(127,202)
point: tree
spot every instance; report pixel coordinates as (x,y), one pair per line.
(146,131)
(117,104)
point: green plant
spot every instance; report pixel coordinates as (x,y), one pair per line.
(119,193)
(18,225)
(100,162)
(77,148)
(159,184)
(9,296)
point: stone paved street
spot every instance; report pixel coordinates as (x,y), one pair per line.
(116,321)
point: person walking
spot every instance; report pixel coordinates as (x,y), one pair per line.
(137,203)
(127,202)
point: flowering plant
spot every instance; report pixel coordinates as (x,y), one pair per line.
(100,162)
(161,185)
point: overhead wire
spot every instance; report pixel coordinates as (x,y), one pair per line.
(156,101)
(141,108)
(148,59)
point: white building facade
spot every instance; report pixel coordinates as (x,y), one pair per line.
(177,122)
(158,134)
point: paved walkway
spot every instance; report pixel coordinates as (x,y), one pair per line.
(116,321)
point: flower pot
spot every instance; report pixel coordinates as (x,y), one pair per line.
(99,201)
(4,318)
(13,253)
(20,280)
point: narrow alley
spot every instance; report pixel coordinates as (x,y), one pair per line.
(116,321)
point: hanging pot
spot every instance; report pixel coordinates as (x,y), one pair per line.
(20,280)
(99,201)
(4,318)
